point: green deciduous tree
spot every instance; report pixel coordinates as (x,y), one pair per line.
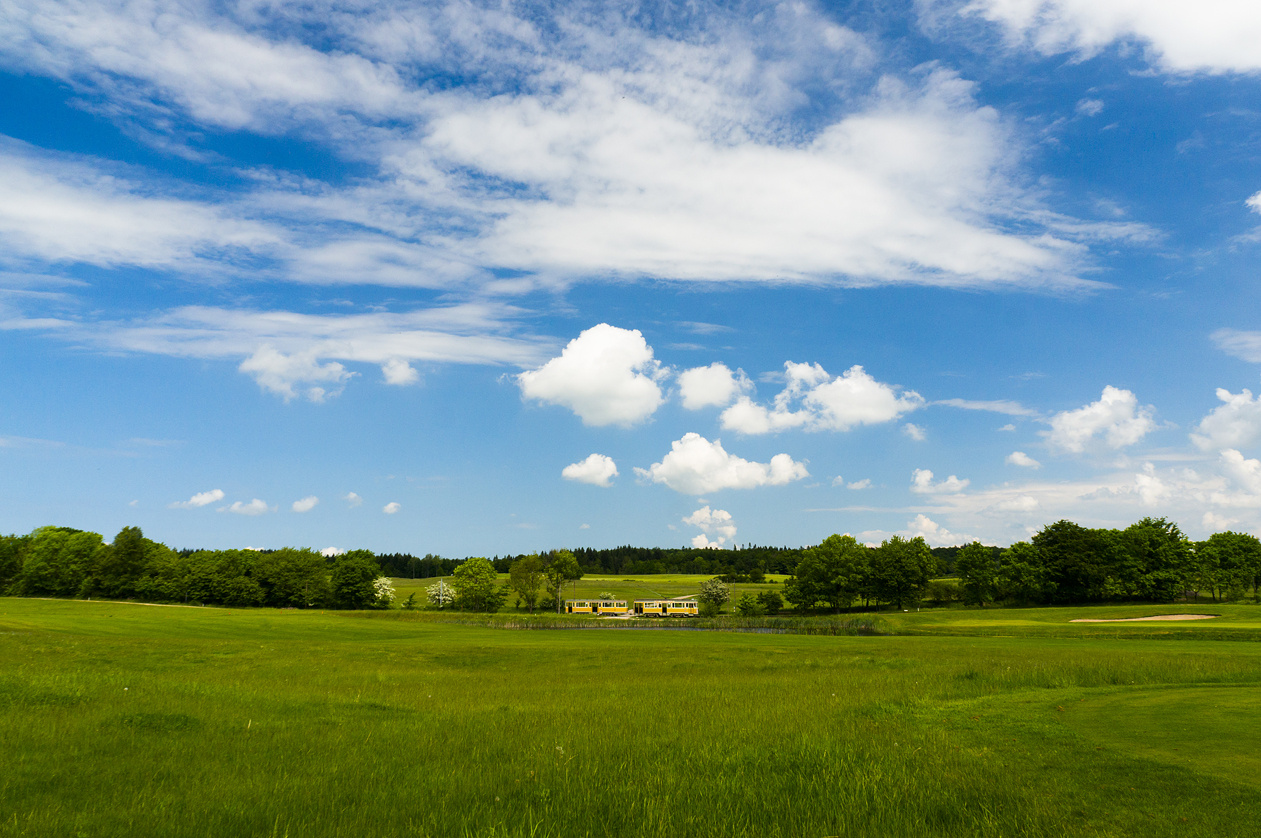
(1020,575)
(976,568)
(831,573)
(900,569)
(474,583)
(352,582)
(58,561)
(562,569)
(713,594)
(1155,561)
(1227,563)
(527,578)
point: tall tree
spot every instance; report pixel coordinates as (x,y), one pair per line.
(1077,561)
(831,573)
(1228,563)
(562,570)
(1156,562)
(976,568)
(526,577)
(900,570)
(353,578)
(474,583)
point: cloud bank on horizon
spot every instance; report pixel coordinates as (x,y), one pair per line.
(468,258)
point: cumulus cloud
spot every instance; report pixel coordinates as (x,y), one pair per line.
(596,469)
(712,386)
(865,483)
(695,466)
(816,401)
(254,507)
(399,373)
(289,375)
(921,526)
(716,525)
(1214,36)
(914,431)
(1020,458)
(1116,420)
(352,500)
(200,499)
(1246,473)
(922,483)
(329,552)
(391,507)
(606,375)
(306,504)
(1236,423)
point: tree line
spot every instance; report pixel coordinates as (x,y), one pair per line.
(1064,563)
(66,562)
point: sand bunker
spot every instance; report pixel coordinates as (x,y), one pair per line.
(1150,619)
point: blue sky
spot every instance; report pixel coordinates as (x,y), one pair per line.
(478,278)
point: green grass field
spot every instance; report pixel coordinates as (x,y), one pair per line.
(120,719)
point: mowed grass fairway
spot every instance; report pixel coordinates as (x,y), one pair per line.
(119,719)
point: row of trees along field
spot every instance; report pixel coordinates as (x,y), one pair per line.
(65,562)
(1151,560)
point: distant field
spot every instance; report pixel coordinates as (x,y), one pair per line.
(655,586)
(132,720)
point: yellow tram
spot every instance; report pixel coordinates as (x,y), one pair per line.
(685,607)
(600,607)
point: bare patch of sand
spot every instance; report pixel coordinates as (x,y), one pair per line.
(1160,617)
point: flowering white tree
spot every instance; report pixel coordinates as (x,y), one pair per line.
(384,589)
(440,594)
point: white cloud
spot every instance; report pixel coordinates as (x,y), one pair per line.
(696,466)
(1243,345)
(391,507)
(922,483)
(1244,472)
(1020,458)
(596,469)
(1211,36)
(748,145)
(306,504)
(865,483)
(606,375)
(816,401)
(1005,406)
(921,526)
(584,526)
(712,386)
(254,507)
(1116,420)
(1213,522)
(1089,107)
(329,552)
(285,375)
(914,431)
(712,522)
(399,373)
(1020,503)
(1236,423)
(352,499)
(1254,202)
(59,209)
(1008,428)
(292,354)
(200,499)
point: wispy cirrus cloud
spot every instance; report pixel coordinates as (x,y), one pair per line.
(765,145)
